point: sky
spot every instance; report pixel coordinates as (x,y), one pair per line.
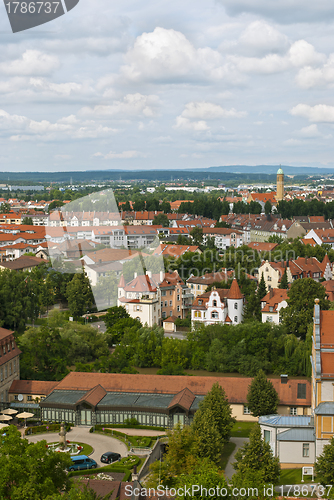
(169,85)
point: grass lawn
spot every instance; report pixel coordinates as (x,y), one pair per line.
(86,448)
(293,476)
(242,429)
(227,452)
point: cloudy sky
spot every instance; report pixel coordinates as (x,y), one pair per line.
(169,84)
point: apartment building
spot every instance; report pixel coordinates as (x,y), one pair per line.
(9,363)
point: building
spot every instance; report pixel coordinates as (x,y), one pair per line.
(29,392)
(280,185)
(176,298)
(9,363)
(300,439)
(141,298)
(164,400)
(272,303)
(223,237)
(220,305)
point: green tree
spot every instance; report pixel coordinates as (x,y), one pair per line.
(221,413)
(4,208)
(256,458)
(299,313)
(262,289)
(161,220)
(30,471)
(284,281)
(324,466)
(197,235)
(79,295)
(252,310)
(262,397)
(208,441)
(268,208)
(114,314)
(27,221)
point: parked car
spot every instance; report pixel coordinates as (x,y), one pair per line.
(109,457)
(82,462)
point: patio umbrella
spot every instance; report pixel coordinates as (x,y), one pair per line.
(9,411)
(24,415)
(2,426)
(5,417)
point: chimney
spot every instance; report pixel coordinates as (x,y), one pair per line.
(162,275)
(271,293)
(149,274)
(305,260)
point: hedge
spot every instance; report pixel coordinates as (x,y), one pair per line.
(140,441)
(122,426)
(39,429)
(126,472)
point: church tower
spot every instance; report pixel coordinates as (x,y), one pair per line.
(280,185)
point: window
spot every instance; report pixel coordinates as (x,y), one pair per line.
(246,410)
(198,314)
(178,308)
(214,303)
(166,303)
(214,315)
(293,411)
(170,292)
(301,391)
(267,436)
(29,398)
(170,303)
(306,449)
(197,287)
(178,297)
(235,319)
(16,397)
(235,305)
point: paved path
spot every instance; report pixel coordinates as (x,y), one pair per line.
(100,443)
(229,470)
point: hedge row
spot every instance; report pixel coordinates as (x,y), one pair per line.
(108,468)
(123,426)
(39,429)
(141,441)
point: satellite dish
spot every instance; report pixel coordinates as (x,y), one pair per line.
(20,397)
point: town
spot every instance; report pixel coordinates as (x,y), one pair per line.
(196,317)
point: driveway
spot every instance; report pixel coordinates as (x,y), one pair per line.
(229,470)
(100,443)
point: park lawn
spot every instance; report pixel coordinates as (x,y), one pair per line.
(227,452)
(293,476)
(242,429)
(86,448)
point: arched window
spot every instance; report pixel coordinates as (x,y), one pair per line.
(235,319)
(214,303)
(235,305)
(214,315)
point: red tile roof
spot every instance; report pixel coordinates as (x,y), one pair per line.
(236,388)
(32,387)
(234,291)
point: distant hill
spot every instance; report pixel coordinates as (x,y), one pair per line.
(271,169)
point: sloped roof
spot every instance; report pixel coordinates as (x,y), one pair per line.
(236,388)
(234,291)
(184,399)
(32,387)
(273,298)
(94,396)
(305,435)
(5,333)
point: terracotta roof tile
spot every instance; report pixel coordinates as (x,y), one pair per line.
(32,387)
(94,396)
(234,291)
(184,398)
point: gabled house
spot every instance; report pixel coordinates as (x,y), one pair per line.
(220,305)
(272,303)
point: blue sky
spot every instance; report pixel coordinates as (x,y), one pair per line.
(169,84)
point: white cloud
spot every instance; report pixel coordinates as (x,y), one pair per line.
(124,155)
(284,11)
(32,62)
(309,132)
(168,56)
(309,77)
(292,142)
(260,38)
(209,111)
(131,105)
(302,53)
(185,123)
(317,113)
